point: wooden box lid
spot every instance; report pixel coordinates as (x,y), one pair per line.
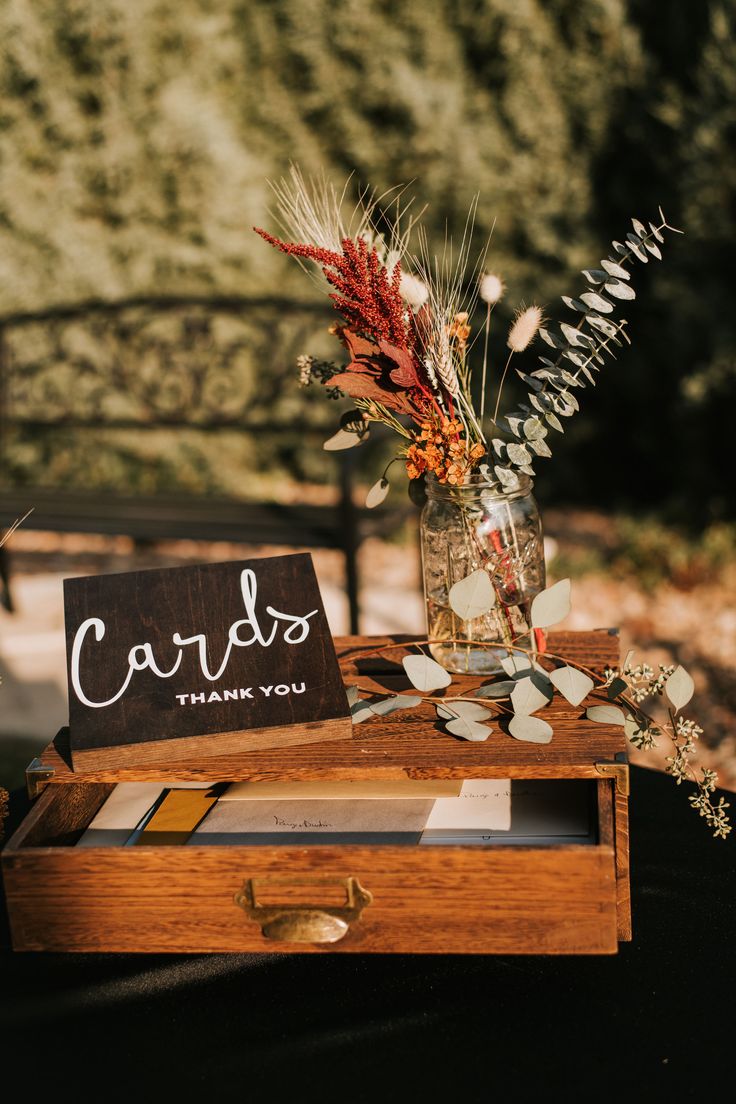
(409,744)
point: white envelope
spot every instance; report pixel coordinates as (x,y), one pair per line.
(483,805)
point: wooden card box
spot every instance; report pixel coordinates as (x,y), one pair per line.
(451,899)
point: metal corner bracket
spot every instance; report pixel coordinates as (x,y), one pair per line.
(38,776)
(619,772)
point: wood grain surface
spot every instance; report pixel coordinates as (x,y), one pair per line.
(567,899)
(242,662)
(464,900)
(406,745)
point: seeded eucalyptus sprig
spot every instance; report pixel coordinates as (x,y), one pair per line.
(615,698)
(578,352)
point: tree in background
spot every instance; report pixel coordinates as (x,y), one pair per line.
(136,141)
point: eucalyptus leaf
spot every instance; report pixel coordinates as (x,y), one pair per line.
(534,429)
(377,494)
(578,359)
(533,730)
(605,714)
(620,290)
(573,304)
(653,249)
(574,336)
(541,402)
(398,701)
(594,275)
(417,491)
(633,727)
(474,595)
(508,479)
(495,689)
(425,674)
(471,711)
(352,693)
(616,270)
(343,440)
(517,454)
(530,381)
(526,697)
(468,730)
(597,302)
(679,688)
(639,228)
(360,712)
(617,686)
(540,447)
(551,338)
(514,664)
(602,324)
(554,421)
(655,232)
(552,605)
(634,244)
(572,684)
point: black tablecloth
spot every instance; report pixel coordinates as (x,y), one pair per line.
(331,1027)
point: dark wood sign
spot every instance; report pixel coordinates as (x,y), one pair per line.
(206,660)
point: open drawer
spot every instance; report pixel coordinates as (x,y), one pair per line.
(437,899)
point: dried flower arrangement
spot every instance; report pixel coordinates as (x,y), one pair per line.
(407,335)
(407,338)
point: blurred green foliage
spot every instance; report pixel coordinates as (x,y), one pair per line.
(136,141)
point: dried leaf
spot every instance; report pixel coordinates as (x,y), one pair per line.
(352,693)
(605,714)
(639,228)
(679,688)
(526,697)
(594,275)
(425,674)
(533,730)
(572,684)
(552,605)
(468,730)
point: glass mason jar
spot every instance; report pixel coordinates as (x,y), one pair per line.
(472,526)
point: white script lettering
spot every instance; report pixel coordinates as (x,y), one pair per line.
(141,658)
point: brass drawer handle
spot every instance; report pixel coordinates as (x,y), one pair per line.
(303,922)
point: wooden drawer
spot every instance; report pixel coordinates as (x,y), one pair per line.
(496,899)
(482,899)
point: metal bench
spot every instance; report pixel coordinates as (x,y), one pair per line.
(82,382)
